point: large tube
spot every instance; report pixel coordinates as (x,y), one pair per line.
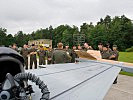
(37,81)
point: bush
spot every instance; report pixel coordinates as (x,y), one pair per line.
(129,49)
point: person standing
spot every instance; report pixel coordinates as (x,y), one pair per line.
(114,56)
(59,55)
(105,52)
(69,53)
(14,47)
(79,47)
(42,54)
(24,52)
(87,47)
(100,47)
(33,58)
(108,47)
(49,54)
(74,55)
(115,53)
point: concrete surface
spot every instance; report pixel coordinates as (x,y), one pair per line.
(123,90)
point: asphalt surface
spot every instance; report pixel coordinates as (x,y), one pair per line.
(123,90)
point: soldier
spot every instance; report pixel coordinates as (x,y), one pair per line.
(115,53)
(49,55)
(74,55)
(108,47)
(114,56)
(24,52)
(14,47)
(87,47)
(59,55)
(79,47)
(105,52)
(100,47)
(42,54)
(33,58)
(69,52)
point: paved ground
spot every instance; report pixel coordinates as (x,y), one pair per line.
(123,90)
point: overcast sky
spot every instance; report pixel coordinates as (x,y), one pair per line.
(30,15)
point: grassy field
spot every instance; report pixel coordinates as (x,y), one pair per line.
(126,57)
(126,73)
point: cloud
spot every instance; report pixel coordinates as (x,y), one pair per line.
(29,15)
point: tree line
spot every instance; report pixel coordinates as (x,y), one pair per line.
(117,30)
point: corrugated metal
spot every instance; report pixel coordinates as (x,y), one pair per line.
(81,81)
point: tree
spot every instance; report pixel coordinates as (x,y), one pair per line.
(9,40)
(117,30)
(20,38)
(86,29)
(3,36)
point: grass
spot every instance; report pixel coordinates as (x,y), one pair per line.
(126,73)
(126,57)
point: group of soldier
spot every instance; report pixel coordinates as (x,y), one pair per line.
(64,55)
(107,52)
(50,56)
(61,54)
(33,52)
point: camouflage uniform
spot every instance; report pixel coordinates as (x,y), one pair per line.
(16,49)
(89,48)
(69,53)
(33,58)
(109,50)
(59,56)
(74,55)
(49,56)
(42,55)
(105,54)
(24,52)
(116,54)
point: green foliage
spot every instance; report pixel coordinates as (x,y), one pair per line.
(86,29)
(117,30)
(129,49)
(9,40)
(126,57)
(126,73)
(2,36)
